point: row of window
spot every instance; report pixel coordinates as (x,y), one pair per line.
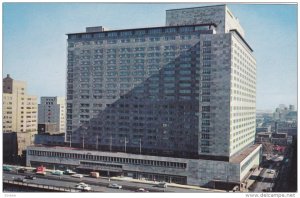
(108,159)
(139,32)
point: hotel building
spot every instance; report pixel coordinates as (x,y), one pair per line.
(145,99)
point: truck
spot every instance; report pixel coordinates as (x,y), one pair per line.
(41,170)
(94,174)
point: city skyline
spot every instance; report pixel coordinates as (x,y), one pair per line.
(43,67)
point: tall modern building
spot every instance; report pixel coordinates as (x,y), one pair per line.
(184,92)
(19,112)
(53,110)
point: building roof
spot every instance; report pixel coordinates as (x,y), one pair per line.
(241,37)
(145,28)
(197,7)
(238,158)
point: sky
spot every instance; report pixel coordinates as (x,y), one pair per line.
(34,41)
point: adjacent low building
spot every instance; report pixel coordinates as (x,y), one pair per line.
(168,169)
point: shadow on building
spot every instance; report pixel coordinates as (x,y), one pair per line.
(157,117)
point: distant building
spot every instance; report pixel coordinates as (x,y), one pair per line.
(281,139)
(263,129)
(48,128)
(263,137)
(53,110)
(289,127)
(19,116)
(282,113)
(292,107)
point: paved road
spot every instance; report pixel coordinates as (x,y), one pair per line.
(268,178)
(97,184)
(59,182)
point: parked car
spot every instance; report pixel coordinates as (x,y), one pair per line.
(116,186)
(141,190)
(19,179)
(30,177)
(77,175)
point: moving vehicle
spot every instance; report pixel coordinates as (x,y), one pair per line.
(271,171)
(77,175)
(141,190)
(94,174)
(7,168)
(82,186)
(19,179)
(116,186)
(41,170)
(21,170)
(30,177)
(161,185)
(69,172)
(57,172)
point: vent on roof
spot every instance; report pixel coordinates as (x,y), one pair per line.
(95,29)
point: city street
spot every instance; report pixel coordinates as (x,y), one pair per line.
(97,184)
(267,177)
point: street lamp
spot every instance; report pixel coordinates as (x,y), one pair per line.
(84,130)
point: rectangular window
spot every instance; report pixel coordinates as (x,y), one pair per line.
(127,33)
(206,43)
(140,32)
(112,34)
(170,30)
(185,91)
(186,29)
(205,136)
(185,72)
(154,31)
(99,35)
(206,108)
(197,28)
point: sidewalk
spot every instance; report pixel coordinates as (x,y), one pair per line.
(249,181)
(169,184)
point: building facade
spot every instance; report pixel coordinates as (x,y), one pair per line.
(185,91)
(19,114)
(165,169)
(53,110)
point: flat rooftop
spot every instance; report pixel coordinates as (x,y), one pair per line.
(197,7)
(238,158)
(145,28)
